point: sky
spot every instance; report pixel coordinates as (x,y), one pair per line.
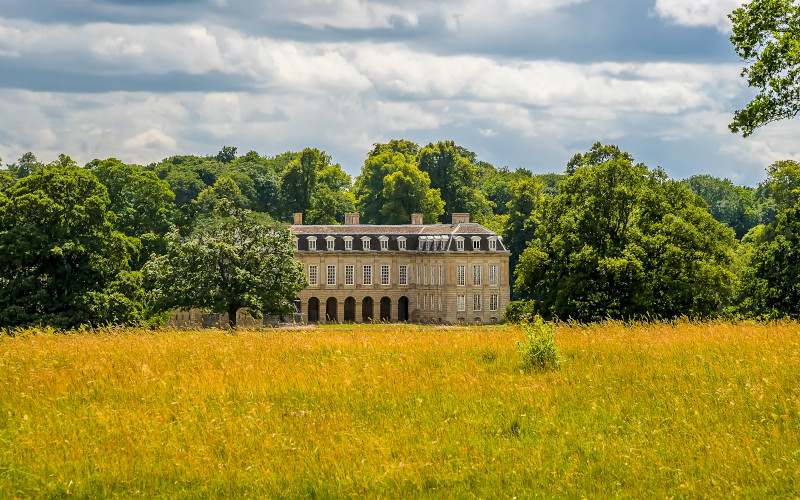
(522,83)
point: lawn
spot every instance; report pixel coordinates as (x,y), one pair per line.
(666,410)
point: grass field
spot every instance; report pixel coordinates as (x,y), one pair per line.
(644,411)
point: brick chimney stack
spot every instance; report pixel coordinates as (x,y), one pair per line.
(416,219)
(351,219)
(460,218)
(298,219)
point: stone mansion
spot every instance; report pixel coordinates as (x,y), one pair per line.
(413,272)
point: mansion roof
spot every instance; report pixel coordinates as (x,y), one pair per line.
(419,237)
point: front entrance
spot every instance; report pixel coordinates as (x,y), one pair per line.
(386,309)
(330,310)
(350,310)
(402,309)
(366,310)
(313,310)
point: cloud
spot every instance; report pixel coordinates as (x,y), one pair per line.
(698,12)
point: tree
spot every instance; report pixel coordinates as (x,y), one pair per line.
(523,217)
(456,179)
(25,166)
(391,188)
(143,203)
(300,179)
(6,180)
(61,261)
(242,261)
(598,155)
(226,155)
(765,36)
(783,178)
(771,282)
(735,206)
(622,241)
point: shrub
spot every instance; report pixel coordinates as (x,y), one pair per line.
(519,311)
(539,350)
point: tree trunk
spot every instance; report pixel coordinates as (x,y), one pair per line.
(232,310)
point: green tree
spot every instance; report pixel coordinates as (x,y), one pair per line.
(265,177)
(389,183)
(242,261)
(61,261)
(765,36)
(226,155)
(143,203)
(300,179)
(456,179)
(25,166)
(598,155)
(771,282)
(523,217)
(407,148)
(622,241)
(735,206)
(7,180)
(783,178)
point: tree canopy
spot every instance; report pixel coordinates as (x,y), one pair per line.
(240,261)
(62,263)
(622,241)
(766,35)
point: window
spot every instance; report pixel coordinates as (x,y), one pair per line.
(441,276)
(440,302)
(476,302)
(476,275)
(296,243)
(460,303)
(401,243)
(476,243)
(365,243)
(331,242)
(418,281)
(493,302)
(493,275)
(384,243)
(492,243)
(384,275)
(348,275)
(433,306)
(331,275)
(367,276)
(433,275)
(425,275)
(424,302)
(404,275)
(312,243)
(460,279)
(348,243)
(459,244)
(312,275)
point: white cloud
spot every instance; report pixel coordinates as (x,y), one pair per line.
(698,12)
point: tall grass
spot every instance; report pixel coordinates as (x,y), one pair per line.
(683,409)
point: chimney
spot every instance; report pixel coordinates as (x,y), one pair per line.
(460,218)
(416,219)
(351,219)
(298,219)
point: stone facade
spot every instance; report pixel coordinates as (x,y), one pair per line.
(444,273)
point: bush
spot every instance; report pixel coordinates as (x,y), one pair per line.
(539,350)
(519,311)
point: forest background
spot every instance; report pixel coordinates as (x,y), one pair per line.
(605,238)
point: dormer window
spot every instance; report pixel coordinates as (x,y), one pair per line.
(296,243)
(348,242)
(384,242)
(401,242)
(312,243)
(459,243)
(365,242)
(476,242)
(331,242)
(492,243)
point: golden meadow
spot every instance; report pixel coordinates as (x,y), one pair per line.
(661,410)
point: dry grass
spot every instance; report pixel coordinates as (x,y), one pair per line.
(687,410)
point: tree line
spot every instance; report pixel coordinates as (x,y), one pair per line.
(112,242)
